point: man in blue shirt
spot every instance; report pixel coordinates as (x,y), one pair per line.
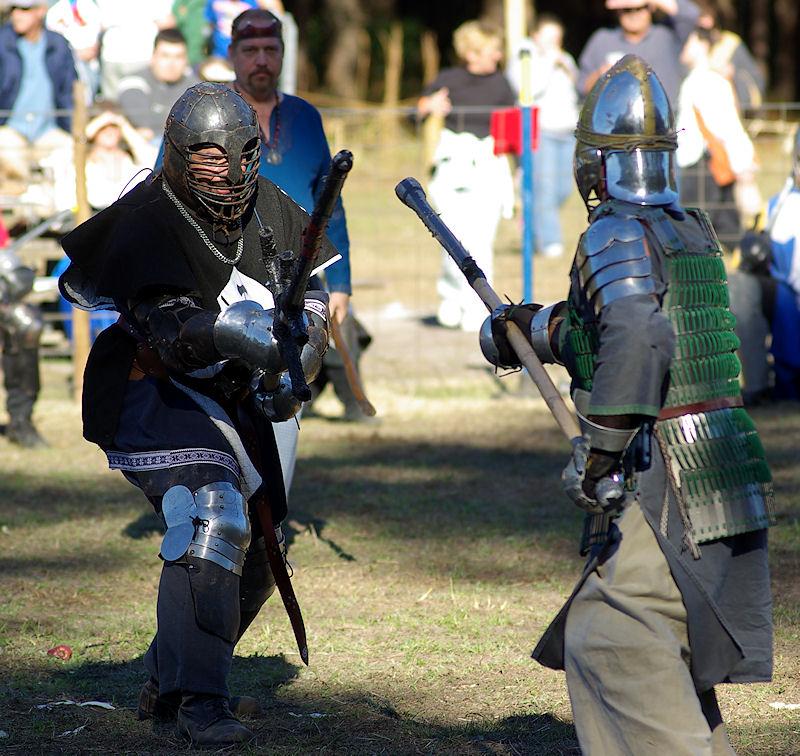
(295,153)
(36,76)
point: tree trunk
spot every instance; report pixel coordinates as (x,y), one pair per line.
(347,20)
(759,31)
(786,62)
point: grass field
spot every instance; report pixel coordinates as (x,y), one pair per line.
(430,551)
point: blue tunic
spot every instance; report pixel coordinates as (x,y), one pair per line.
(305,159)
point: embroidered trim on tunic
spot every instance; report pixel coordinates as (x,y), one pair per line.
(157,460)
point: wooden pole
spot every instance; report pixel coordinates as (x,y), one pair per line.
(81,336)
(516,26)
(432,125)
(392,43)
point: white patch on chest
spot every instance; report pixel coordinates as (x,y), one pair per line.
(241,287)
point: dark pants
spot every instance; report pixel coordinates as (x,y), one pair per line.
(203,609)
(357,340)
(21,380)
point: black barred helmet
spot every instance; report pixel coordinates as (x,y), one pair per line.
(626,138)
(212,148)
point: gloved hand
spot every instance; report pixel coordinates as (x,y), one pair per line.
(594,484)
(493,338)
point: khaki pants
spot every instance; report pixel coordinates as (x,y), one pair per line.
(18,155)
(627,658)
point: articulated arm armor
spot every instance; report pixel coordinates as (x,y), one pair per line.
(189,338)
(611,262)
(19,321)
(540,325)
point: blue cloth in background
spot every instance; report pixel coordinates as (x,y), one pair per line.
(220,14)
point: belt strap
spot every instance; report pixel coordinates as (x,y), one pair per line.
(722,402)
(146,361)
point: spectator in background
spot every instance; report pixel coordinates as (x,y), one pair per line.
(765,296)
(553,74)
(729,55)
(221,13)
(36,76)
(294,155)
(78,21)
(190,18)
(660,44)
(116,153)
(129,29)
(471,186)
(715,155)
(147,96)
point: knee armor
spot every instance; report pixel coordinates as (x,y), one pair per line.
(211,523)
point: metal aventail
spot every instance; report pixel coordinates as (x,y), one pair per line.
(193,223)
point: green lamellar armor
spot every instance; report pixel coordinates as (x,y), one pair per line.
(715,459)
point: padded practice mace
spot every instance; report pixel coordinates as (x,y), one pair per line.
(410,193)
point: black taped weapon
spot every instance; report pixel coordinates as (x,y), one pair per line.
(294,272)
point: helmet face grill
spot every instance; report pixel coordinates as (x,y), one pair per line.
(221,184)
(212,149)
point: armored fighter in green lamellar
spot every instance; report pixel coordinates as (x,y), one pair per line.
(676,598)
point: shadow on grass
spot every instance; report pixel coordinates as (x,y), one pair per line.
(337,721)
(398,488)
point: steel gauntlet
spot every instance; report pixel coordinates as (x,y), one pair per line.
(594,478)
(245,331)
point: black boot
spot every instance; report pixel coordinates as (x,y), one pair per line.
(208,721)
(152,705)
(22,432)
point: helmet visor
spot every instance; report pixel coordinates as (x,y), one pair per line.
(222,188)
(644,177)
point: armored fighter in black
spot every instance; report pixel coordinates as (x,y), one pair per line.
(676,596)
(182,391)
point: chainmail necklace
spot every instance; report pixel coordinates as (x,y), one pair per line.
(194,224)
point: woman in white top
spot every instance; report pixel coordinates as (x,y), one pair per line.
(553,73)
(715,155)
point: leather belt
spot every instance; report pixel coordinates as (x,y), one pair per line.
(146,361)
(722,402)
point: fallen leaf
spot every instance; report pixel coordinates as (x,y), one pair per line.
(98,704)
(61,652)
(71,732)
